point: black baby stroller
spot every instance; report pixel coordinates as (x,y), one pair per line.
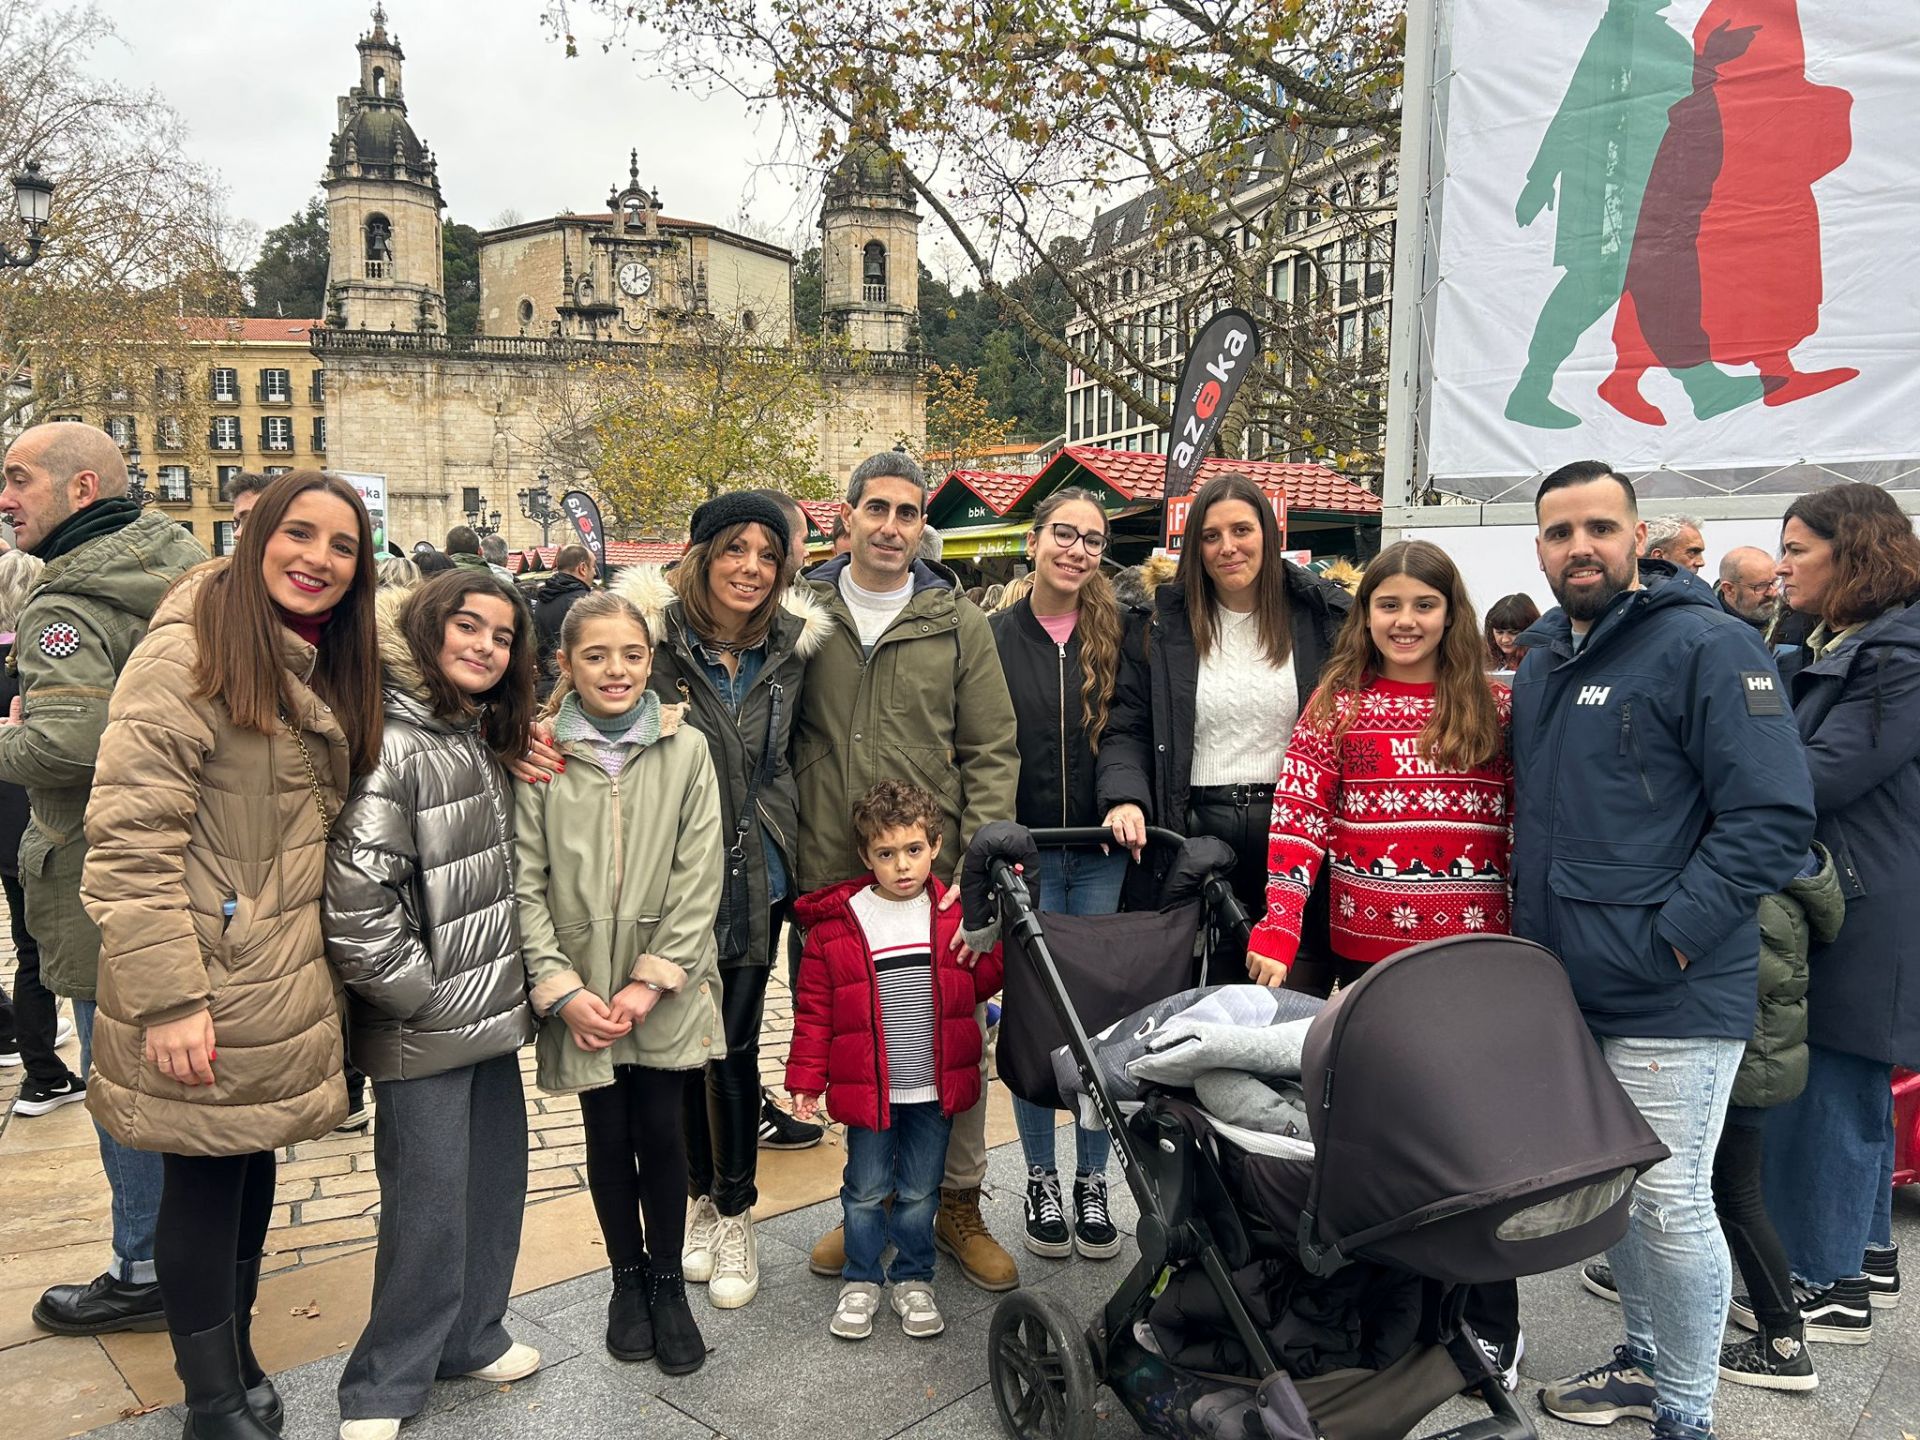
(1477,1136)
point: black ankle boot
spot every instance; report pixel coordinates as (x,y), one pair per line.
(262,1398)
(678,1348)
(208,1363)
(629,1323)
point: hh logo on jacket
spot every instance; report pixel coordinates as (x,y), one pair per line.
(1594,694)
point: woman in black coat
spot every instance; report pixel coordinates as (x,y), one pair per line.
(1850,558)
(1210,685)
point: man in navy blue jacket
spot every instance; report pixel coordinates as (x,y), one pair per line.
(1661,790)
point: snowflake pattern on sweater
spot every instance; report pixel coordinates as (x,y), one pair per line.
(1416,854)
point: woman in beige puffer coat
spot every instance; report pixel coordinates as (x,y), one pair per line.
(230,745)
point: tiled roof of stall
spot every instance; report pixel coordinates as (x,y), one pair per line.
(1141,475)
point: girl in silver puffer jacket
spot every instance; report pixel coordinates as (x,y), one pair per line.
(420,923)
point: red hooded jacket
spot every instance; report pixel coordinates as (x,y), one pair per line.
(838,1045)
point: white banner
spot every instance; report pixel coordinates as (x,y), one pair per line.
(1677,234)
(373,494)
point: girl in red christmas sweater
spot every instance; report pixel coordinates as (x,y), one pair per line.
(1398,773)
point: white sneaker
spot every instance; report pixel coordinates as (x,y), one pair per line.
(736,1262)
(369,1429)
(62,1032)
(853,1316)
(696,1253)
(519,1362)
(919,1316)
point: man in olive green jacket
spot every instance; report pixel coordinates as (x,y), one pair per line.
(108,564)
(907,687)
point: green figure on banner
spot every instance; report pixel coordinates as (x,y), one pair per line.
(1599,149)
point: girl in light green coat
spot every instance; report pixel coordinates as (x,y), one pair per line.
(620,858)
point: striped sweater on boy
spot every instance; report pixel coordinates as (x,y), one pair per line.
(899,937)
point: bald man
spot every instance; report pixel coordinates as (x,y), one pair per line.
(108,564)
(1746,585)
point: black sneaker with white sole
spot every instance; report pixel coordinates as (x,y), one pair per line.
(1597,1276)
(1882,1269)
(1769,1362)
(1504,1360)
(1094,1235)
(1616,1389)
(1046,1218)
(1836,1314)
(37,1099)
(780,1131)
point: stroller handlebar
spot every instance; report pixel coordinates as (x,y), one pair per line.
(1077,837)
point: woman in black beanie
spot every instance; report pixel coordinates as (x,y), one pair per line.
(731,640)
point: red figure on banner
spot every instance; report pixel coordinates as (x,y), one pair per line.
(1725,267)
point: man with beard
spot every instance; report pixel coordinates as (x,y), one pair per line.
(1746,586)
(1661,790)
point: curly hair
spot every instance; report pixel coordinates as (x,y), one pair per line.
(1099,624)
(1876,555)
(894,805)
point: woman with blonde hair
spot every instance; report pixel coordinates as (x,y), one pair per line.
(1060,648)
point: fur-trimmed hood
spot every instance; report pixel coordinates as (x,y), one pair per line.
(649,587)
(401,670)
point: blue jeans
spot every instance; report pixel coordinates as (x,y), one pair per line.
(1671,1267)
(132,1175)
(1829,1166)
(906,1160)
(1072,882)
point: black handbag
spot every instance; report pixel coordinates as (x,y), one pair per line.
(733,925)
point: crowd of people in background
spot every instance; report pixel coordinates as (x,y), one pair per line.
(313,819)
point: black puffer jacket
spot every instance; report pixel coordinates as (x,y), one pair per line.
(1146,757)
(550,605)
(1056,760)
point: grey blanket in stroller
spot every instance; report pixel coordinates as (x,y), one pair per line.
(1237,1047)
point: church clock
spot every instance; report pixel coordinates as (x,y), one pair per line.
(636,279)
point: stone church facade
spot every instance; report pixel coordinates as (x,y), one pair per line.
(458,424)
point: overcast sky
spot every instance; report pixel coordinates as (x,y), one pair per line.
(513,122)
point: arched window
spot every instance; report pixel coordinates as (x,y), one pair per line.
(379,84)
(379,246)
(873,271)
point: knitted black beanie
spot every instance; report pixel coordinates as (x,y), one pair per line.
(739,507)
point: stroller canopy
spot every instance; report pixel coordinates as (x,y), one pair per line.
(1464,1122)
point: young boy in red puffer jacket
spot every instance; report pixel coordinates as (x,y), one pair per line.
(883,1023)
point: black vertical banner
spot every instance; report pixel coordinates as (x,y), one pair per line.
(1217,361)
(584,516)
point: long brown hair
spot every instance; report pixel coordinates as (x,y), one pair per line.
(240,630)
(597,606)
(690,582)
(1515,612)
(1464,732)
(1099,623)
(1876,555)
(506,710)
(1270,608)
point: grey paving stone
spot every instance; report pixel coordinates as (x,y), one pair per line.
(575,1399)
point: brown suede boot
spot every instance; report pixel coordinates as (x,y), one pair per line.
(829,1255)
(960,1231)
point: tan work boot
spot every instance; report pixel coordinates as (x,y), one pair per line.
(829,1255)
(959,1230)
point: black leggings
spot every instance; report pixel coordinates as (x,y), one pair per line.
(723,1098)
(214,1211)
(637,1165)
(1239,815)
(1750,1234)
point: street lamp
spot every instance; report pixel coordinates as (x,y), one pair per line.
(137,477)
(33,203)
(483,522)
(536,503)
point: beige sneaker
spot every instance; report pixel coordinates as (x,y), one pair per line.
(519,1362)
(736,1262)
(369,1429)
(696,1254)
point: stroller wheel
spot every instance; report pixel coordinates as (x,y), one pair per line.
(1041,1371)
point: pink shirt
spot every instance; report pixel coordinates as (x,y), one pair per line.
(1060,627)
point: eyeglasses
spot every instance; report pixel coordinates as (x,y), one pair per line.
(1065,535)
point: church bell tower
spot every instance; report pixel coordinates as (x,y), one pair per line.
(384,270)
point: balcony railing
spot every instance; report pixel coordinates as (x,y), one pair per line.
(329,341)
(376,269)
(873,291)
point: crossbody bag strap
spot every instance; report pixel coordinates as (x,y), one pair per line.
(744,821)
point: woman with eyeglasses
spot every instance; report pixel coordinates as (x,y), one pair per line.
(1060,648)
(1210,685)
